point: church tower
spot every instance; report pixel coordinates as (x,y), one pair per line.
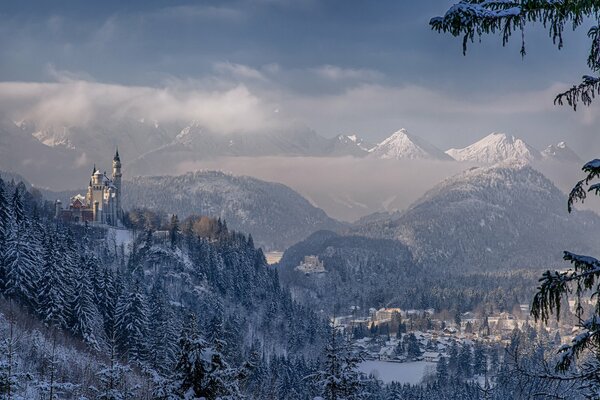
(116,176)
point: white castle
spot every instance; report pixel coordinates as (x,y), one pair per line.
(102,201)
(311,265)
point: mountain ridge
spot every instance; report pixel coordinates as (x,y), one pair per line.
(474,218)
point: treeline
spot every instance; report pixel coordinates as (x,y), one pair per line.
(369,272)
(197,312)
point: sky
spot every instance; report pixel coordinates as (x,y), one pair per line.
(336,66)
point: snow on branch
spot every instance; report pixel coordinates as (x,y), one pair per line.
(470,18)
(554,285)
(585,92)
(578,193)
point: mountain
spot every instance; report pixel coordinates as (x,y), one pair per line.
(23,154)
(491,218)
(195,143)
(402,145)
(344,145)
(99,137)
(560,152)
(495,148)
(274,214)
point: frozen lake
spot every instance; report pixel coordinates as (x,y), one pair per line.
(409,372)
(273,257)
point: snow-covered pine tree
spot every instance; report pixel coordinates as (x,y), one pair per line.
(190,371)
(480,362)
(86,321)
(413,349)
(113,378)
(8,363)
(53,290)
(21,258)
(131,319)
(174,231)
(339,378)
(4,226)
(442,370)
(107,294)
(162,330)
(17,206)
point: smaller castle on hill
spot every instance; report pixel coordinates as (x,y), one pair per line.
(102,201)
(311,265)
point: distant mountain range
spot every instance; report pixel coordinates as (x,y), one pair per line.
(494,148)
(60,158)
(275,215)
(149,144)
(402,145)
(486,218)
(500,147)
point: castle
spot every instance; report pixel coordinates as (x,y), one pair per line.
(102,201)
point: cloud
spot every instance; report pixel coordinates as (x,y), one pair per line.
(238,98)
(335,73)
(79,102)
(199,12)
(238,71)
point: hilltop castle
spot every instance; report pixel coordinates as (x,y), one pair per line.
(102,201)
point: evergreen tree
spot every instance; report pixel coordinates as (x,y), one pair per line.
(8,363)
(413,349)
(465,368)
(18,209)
(174,231)
(113,378)
(53,290)
(131,319)
(162,330)
(4,227)
(479,359)
(191,371)
(86,321)
(22,263)
(339,379)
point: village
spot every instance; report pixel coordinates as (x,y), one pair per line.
(396,335)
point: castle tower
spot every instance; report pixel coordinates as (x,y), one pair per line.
(116,176)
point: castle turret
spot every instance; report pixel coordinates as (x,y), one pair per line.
(116,177)
(96,211)
(57,208)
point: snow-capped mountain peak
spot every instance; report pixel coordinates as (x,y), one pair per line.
(560,152)
(496,148)
(402,145)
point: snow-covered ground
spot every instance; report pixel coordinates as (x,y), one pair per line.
(119,236)
(410,372)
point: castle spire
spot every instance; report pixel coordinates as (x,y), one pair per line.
(117,158)
(94,170)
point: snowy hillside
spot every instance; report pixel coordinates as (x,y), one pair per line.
(494,148)
(274,214)
(402,145)
(490,218)
(560,152)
